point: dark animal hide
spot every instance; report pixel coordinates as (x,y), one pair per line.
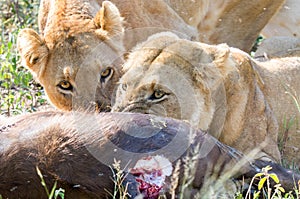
(77,149)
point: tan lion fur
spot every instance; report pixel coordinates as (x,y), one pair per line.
(81,39)
(207,21)
(75,46)
(285,22)
(217,88)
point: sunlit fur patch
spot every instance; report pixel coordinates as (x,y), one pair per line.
(68,71)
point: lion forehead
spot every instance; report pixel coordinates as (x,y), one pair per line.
(181,56)
(180,52)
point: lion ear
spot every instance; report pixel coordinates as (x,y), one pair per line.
(222,58)
(221,51)
(33,50)
(108,19)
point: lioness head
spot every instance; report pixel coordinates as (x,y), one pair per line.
(172,77)
(77,57)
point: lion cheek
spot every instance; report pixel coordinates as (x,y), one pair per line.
(205,115)
(57,99)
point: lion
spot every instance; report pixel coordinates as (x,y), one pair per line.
(216,88)
(88,38)
(75,58)
(285,22)
(207,21)
(80,159)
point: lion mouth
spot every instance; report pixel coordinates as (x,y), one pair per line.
(136,108)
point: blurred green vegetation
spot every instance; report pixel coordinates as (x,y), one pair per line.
(19,92)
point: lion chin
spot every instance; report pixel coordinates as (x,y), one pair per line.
(239,100)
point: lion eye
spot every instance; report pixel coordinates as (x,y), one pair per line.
(157,94)
(105,74)
(34,60)
(65,85)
